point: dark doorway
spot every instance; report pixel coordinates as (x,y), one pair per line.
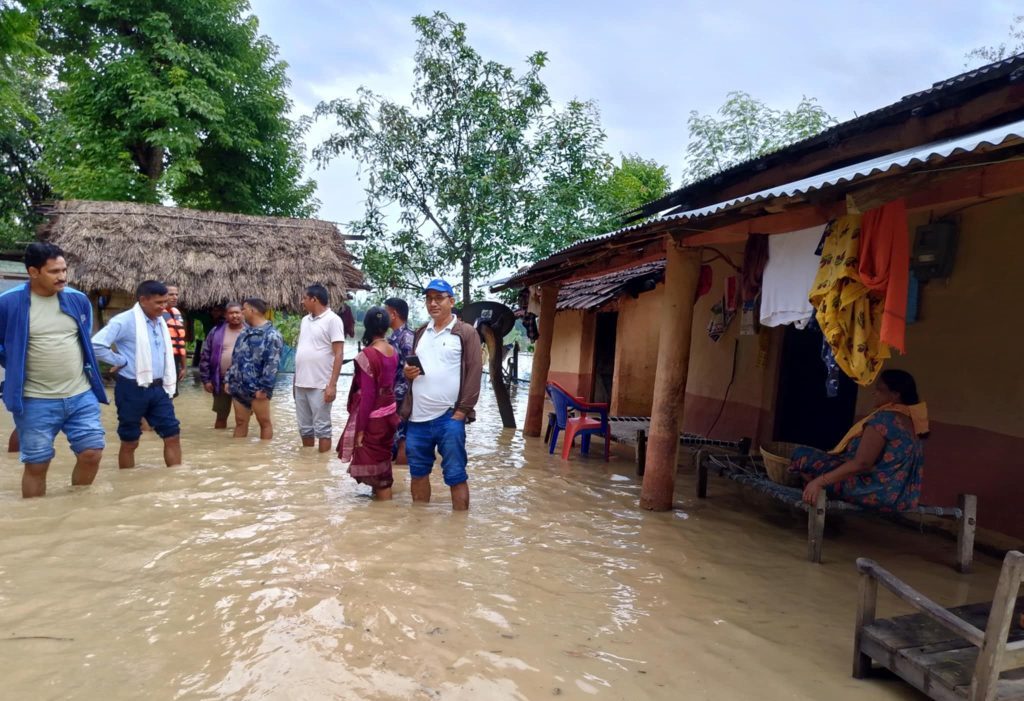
(604,355)
(805,413)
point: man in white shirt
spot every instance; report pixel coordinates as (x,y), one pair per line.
(318,359)
(442,397)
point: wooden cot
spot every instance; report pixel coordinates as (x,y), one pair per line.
(749,471)
(971,652)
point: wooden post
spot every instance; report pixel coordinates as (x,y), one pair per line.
(865,617)
(816,527)
(541,361)
(508,416)
(641,452)
(965,532)
(682,271)
(985,682)
(702,474)
(515,362)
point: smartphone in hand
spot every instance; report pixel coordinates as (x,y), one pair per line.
(415,362)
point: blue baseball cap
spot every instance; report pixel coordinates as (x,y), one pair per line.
(439,285)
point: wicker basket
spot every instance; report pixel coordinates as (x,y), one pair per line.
(777,458)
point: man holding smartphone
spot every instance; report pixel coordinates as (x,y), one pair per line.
(444,385)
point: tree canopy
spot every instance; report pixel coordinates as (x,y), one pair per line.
(997,52)
(478,170)
(183,101)
(746,128)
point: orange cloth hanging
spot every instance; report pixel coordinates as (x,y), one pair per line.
(885,266)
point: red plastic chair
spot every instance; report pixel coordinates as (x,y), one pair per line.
(580,425)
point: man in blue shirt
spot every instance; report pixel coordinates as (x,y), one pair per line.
(52,380)
(146,377)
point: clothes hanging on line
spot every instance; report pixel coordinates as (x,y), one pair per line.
(849,317)
(788,275)
(885,266)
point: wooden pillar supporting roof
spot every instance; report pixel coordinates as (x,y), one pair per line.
(682,272)
(541,361)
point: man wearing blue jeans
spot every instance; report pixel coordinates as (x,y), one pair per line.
(53,383)
(441,398)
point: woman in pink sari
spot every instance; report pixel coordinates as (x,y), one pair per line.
(373,417)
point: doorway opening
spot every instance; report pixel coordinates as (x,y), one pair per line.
(604,355)
(804,412)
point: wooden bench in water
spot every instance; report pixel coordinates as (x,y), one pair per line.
(970,652)
(749,471)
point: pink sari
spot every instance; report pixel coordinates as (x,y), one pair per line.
(372,411)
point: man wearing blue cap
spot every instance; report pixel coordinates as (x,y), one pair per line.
(441,396)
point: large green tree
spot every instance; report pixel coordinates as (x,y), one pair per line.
(476,172)
(23,108)
(181,101)
(746,128)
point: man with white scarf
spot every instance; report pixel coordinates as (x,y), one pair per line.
(145,374)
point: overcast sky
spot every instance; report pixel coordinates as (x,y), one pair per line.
(646,64)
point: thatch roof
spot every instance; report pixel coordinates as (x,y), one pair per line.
(211,256)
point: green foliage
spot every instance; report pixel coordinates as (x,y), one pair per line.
(182,101)
(288,325)
(23,108)
(997,52)
(632,183)
(477,172)
(747,128)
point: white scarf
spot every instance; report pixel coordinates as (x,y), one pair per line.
(144,355)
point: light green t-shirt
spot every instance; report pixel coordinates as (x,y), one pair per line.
(55,366)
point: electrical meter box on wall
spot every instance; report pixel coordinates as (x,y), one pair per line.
(934,250)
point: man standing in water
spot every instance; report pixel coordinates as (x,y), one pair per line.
(215,361)
(146,376)
(176,328)
(318,358)
(442,396)
(401,340)
(52,381)
(250,380)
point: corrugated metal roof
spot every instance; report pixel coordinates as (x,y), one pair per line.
(1010,68)
(595,292)
(895,162)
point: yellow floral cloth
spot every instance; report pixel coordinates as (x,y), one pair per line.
(849,317)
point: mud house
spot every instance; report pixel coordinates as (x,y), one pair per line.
(619,321)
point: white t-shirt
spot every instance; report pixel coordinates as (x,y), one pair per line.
(314,357)
(789,276)
(437,389)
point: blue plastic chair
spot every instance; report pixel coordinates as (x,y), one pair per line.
(571,417)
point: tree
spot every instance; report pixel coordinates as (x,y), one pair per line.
(175,100)
(23,108)
(478,170)
(991,54)
(747,128)
(632,183)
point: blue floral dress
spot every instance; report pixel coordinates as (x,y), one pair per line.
(894,484)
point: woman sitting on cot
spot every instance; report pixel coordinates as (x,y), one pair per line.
(879,463)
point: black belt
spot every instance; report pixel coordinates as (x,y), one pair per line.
(157,383)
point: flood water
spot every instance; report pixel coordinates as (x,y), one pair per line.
(261,571)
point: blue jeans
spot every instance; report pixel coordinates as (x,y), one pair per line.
(447,436)
(42,419)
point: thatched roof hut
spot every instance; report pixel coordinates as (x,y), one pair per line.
(211,256)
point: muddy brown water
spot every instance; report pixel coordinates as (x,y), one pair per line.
(261,571)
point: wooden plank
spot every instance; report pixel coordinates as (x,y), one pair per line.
(922,603)
(965,532)
(1000,619)
(867,597)
(910,672)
